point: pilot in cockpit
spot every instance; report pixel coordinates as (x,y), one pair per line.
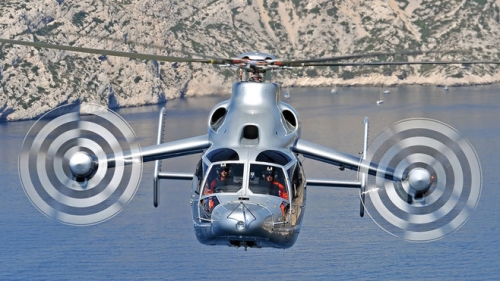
(224,178)
(270,177)
(218,184)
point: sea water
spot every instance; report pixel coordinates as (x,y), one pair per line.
(143,242)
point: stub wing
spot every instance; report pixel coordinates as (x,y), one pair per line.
(330,156)
(337,158)
(172,149)
(326,154)
(176,148)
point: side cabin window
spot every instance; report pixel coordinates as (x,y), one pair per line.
(267,179)
(224,178)
(296,181)
(199,174)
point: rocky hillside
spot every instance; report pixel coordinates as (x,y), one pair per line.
(34,81)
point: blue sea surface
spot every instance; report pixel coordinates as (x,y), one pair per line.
(335,243)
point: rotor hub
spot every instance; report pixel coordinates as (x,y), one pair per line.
(81,164)
(420,180)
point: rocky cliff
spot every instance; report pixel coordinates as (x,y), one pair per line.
(34,81)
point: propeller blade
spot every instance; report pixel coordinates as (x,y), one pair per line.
(114,53)
(441,180)
(47,174)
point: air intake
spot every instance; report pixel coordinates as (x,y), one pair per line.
(250,135)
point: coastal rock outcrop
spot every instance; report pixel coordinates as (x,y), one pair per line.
(33,80)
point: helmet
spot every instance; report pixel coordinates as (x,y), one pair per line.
(268,171)
(224,167)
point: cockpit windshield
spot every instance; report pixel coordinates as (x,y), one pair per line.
(229,177)
(262,179)
(224,177)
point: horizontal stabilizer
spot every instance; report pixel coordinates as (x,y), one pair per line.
(175,176)
(334,183)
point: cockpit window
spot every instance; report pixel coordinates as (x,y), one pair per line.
(224,178)
(266,179)
(273,156)
(223,154)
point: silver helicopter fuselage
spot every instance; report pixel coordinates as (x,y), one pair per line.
(254,139)
(251,133)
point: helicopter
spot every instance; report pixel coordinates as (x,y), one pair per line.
(249,186)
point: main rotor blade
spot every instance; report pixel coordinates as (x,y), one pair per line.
(114,53)
(355,56)
(135,43)
(381,63)
(293,63)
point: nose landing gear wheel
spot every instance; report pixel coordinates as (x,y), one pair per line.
(436,185)
(65,166)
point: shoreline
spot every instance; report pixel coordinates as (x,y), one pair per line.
(283,84)
(347,85)
(392,81)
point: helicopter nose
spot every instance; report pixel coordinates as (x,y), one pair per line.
(240,219)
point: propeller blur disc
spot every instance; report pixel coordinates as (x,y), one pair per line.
(428,180)
(65,166)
